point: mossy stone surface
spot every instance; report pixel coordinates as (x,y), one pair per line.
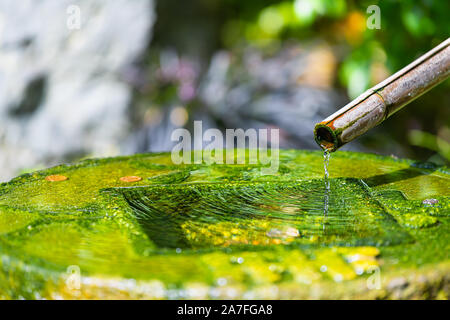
(227,231)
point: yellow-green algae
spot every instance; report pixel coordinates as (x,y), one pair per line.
(227,231)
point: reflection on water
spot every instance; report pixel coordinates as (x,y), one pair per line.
(417,182)
(195,216)
(394,176)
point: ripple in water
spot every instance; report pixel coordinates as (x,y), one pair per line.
(195,216)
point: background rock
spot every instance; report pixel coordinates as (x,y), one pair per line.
(61,89)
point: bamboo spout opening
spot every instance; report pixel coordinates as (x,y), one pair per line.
(325,138)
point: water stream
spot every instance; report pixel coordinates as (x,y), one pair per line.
(326,162)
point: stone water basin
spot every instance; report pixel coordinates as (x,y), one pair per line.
(200,231)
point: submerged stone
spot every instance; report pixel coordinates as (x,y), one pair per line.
(430,201)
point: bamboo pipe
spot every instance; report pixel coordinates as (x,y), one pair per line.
(383,100)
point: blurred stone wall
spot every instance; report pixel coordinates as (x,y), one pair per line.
(62,88)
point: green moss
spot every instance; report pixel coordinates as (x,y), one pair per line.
(224,230)
(11,219)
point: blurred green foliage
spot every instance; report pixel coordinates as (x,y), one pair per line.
(408,29)
(430,141)
(365,56)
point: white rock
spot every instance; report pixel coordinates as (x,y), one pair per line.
(84,104)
